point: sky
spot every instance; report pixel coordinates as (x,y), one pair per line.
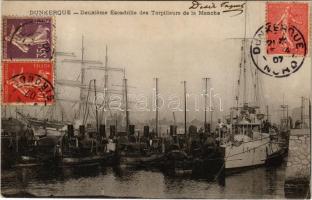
(172,48)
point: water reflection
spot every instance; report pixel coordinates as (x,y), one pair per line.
(99,181)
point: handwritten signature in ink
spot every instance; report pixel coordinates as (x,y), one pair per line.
(226,6)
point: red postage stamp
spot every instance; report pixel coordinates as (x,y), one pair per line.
(28,83)
(287,28)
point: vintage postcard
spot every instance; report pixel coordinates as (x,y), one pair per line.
(156,99)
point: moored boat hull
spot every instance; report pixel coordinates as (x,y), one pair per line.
(140,161)
(71,161)
(88,160)
(251,154)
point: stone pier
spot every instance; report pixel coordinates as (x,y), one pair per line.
(298,170)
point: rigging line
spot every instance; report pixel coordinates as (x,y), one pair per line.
(62,108)
(86,106)
(234,92)
(240,74)
(253,78)
(74,104)
(78,77)
(103,105)
(74,112)
(101,114)
(93,112)
(87,115)
(106,105)
(257,94)
(245,22)
(41,109)
(260,85)
(259,98)
(260,94)
(110,112)
(87,111)
(47,113)
(244,54)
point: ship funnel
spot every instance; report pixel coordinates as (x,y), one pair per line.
(173,130)
(82,130)
(70,130)
(102,131)
(131,129)
(112,129)
(146,131)
(207,128)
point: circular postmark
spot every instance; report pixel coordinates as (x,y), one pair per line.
(282,64)
(33,87)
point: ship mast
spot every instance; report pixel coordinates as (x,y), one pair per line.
(105,83)
(156,125)
(244,56)
(185,128)
(88,65)
(82,77)
(206,94)
(126,104)
(96,108)
(267,113)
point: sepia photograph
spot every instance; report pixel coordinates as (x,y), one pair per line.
(156,99)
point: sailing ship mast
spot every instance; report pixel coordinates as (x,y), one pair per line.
(126,106)
(82,76)
(96,108)
(156,82)
(267,113)
(90,65)
(205,108)
(81,84)
(185,128)
(244,56)
(105,85)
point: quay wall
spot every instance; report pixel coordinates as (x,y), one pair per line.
(298,170)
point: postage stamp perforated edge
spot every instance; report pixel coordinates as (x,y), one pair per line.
(309,24)
(53,38)
(5,78)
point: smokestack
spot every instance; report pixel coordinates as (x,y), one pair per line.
(131,129)
(207,128)
(102,131)
(146,131)
(70,130)
(173,130)
(82,130)
(112,129)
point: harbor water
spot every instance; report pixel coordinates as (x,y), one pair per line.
(93,181)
